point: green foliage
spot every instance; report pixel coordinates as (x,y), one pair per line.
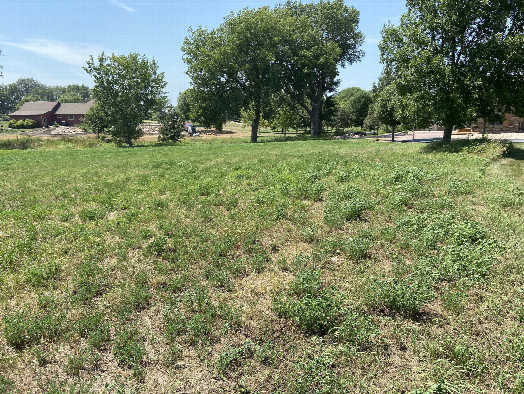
(90,282)
(464,356)
(6,385)
(43,274)
(317,375)
(95,328)
(126,88)
(22,124)
(172,125)
(129,349)
(233,67)
(137,295)
(357,330)
(449,69)
(316,310)
(403,294)
(352,107)
(95,121)
(22,329)
(344,204)
(320,37)
(232,356)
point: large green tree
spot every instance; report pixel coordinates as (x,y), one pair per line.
(233,66)
(127,88)
(451,60)
(320,38)
(352,107)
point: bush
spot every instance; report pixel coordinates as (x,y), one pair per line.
(172,125)
(22,124)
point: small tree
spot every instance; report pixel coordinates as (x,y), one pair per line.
(95,121)
(172,125)
(127,89)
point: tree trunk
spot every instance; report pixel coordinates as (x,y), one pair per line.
(255,123)
(448,129)
(316,123)
(393,133)
(484,121)
(316,110)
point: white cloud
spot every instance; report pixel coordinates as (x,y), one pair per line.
(68,53)
(122,5)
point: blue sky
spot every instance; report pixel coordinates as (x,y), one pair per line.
(50,40)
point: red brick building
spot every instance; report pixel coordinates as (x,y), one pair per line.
(46,113)
(43,112)
(72,113)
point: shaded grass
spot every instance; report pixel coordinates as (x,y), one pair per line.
(332,266)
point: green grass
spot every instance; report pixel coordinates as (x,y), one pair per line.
(301,266)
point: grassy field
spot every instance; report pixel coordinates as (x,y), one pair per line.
(306,266)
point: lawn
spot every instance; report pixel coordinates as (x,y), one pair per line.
(305,266)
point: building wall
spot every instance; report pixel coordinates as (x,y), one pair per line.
(512,123)
(77,119)
(38,118)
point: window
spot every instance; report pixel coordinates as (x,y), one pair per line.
(70,117)
(59,116)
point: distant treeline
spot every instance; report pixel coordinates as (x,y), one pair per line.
(13,95)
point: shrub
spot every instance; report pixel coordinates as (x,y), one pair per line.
(22,124)
(30,124)
(172,125)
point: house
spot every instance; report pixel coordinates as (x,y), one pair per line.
(72,113)
(43,112)
(511,123)
(46,113)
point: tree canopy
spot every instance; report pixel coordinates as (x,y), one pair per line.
(291,52)
(127,88)
(14,95)
(321,37)
(233,66)
(455,60)
(352,107)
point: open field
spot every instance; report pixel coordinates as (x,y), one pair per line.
(306,266)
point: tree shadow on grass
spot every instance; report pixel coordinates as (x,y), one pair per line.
(503,148)
(456,146)
(515,151)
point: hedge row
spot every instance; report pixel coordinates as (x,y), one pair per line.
(22,124)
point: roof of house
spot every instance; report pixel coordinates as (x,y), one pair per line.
(35,108)
(74,108)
